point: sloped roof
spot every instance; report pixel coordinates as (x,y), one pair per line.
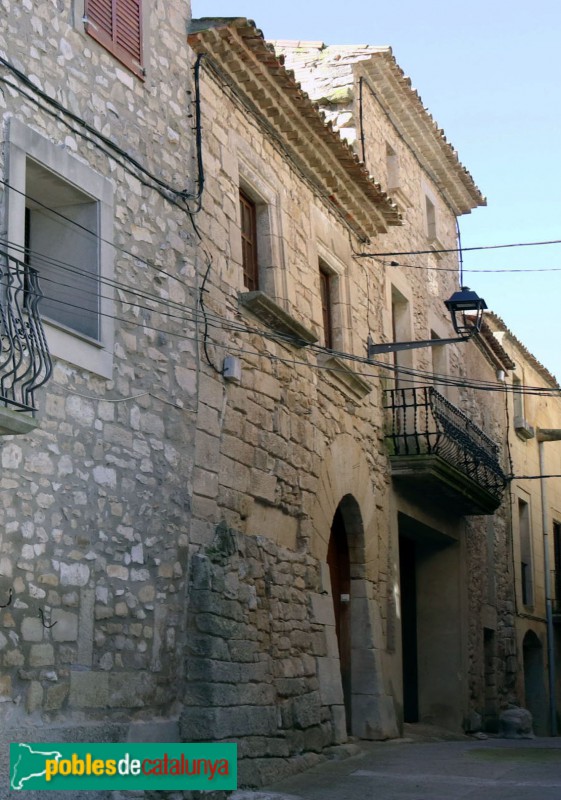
(238,53)
(318,65)
(499,323)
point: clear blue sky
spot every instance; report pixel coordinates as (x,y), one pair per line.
(490,74)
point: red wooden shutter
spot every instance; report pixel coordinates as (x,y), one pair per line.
(248,214)
(117,25)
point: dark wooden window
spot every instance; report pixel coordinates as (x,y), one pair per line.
(325,280)
(248,214)
(117,25)
(557,561)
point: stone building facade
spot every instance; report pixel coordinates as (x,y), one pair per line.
(213,533)
(311,535)
(98,184)
(534,431)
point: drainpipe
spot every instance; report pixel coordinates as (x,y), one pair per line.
(548,435)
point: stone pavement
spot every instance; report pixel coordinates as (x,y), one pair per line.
(413,769)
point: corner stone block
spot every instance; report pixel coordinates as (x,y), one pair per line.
(32,630)
(5,688)
(329,676)
(66,628)
(322,609)
(34,699)
(41,655)
(374,717)
(89,689)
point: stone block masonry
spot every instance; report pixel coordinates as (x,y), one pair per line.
(254,647)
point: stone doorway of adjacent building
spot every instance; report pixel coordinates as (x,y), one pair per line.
(534,683)
(431,628)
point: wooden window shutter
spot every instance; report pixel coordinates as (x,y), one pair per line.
(326,309)
(248,213)
(117,25)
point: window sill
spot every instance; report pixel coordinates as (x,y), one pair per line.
(79,351)
(277,318)
(523,429)
(16,422)
(350,381)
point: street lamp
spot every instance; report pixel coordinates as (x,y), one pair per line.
(466,311)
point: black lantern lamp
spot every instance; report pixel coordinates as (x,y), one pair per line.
(466,310)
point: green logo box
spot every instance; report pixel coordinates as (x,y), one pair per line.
(95,766)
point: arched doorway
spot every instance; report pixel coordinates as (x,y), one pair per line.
(338,560)
(534,683)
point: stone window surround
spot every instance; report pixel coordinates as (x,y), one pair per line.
(23,142)
(332,264)
(431,227)
(259,186)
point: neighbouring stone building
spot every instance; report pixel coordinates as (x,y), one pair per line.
(534,447)
(97,190)
(218,519)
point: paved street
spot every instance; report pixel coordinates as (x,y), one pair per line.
(494,769)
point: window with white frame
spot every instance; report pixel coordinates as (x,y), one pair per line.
(60,220)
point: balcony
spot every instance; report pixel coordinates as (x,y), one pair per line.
(439,457)
(25,363)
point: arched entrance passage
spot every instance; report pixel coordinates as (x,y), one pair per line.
(534,683)
(345,554)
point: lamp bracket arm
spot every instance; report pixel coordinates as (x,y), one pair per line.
(395,347)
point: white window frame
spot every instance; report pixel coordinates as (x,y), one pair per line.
(24,143)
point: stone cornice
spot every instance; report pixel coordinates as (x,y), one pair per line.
(239,52)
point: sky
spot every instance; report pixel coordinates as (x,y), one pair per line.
(490,74)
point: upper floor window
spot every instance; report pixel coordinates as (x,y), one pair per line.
(326,280)
(117,26)
(61,230)
(430,219)
(392,168)
(250,261)
(60,221)
(526,569)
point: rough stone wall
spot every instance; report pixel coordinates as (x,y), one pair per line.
(253,646)
(94,503)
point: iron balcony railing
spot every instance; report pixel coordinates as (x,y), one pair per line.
(25,362)
(424,422)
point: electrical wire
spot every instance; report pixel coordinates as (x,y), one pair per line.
(220,322)
(466,269)
(458,249)
(108,144)
(85,230)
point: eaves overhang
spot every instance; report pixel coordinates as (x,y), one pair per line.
(238,53)
(341,67)
(502,331)
(421,132)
